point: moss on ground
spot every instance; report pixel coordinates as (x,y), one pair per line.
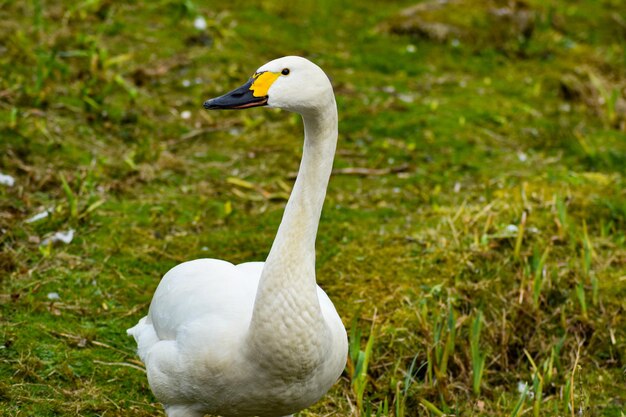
(495,199)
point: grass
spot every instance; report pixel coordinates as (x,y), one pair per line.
(486,249)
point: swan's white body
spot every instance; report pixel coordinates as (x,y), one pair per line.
(260,338)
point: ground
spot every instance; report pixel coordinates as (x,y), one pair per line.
(473,236)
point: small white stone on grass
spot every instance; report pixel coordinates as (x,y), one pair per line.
(185,114)
(522,156)
(65,237)
(54,296)
(199,23)
(511,228)
(7,180)
(407,98)
(523,386)
(37,216)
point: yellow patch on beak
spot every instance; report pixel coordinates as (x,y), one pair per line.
(262,83)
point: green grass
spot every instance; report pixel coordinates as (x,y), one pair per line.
(495,255)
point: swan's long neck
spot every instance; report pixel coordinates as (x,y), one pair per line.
(287,327)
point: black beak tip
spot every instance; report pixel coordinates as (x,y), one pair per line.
(208,105)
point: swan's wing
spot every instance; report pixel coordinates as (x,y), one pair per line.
(336,361)
(330,314)
(203,288)
(209,292)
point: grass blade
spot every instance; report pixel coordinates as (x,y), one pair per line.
(72,201)
(520,402)
(478,358)
(432,408)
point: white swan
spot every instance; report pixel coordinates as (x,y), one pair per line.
(255,339)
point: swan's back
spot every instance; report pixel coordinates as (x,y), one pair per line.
(202,288)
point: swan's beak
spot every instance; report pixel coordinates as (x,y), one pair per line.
(240,98)
(254,93)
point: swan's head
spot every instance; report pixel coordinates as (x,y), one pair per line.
(290,83)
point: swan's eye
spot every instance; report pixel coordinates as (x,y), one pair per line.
(285,71)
